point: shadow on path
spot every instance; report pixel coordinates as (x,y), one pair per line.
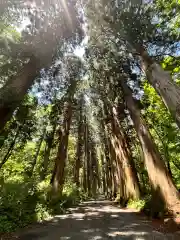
(95,220)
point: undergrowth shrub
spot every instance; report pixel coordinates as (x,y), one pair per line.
(24,201)
(136,204)
(148,205)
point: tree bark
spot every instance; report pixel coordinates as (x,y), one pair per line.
(103,175)
(121,187)
(37,152)
(55,186)
(94,168)
(166,152)
(79,151)
(115,169)
(109,176)
(15,89)
(84,176)
(162,184)
(8,154)
(60,163)
(123,157)
(163,84)
(88,159)
(131,170)
(48,147)
(86,167)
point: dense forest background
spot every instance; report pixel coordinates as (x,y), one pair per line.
(89,105)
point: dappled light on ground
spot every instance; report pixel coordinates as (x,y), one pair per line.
(95,221)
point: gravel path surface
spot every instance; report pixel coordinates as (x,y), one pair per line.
(96,220)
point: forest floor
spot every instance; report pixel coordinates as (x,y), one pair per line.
(96,220)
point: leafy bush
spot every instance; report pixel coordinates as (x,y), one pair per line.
(137,204)
(24,201)
(149,206)
(71,196)
(18,205)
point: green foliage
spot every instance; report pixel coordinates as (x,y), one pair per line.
(24,201)
(18,204)
(147,205)
(163,128)
(8,34)
(137,204)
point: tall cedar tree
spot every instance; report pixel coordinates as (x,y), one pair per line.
(162,184)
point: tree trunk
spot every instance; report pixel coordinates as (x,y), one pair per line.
(79,151)
(166,151)
(122,196)
(86,170)
(163,187)
(56,163)
(48,147)
(94,175)
(33,164)
(15,89)
(8,154)
(113,171)
(103,175)
(84,176)
(123,157)
(109,176)
(163,84)
(88,163)
(94,168)
(131,169)
(58,175)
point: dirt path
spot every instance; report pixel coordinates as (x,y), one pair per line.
(96,221)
